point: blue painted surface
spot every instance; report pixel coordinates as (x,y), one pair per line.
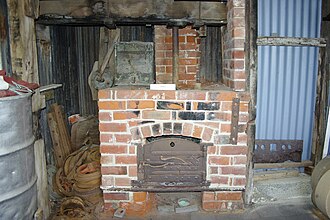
(287,75)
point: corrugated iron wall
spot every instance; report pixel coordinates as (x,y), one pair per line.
(73,51)
(66,55)
(87,47)
(287,75)
(136,33)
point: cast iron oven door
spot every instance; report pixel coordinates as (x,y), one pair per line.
(172,162)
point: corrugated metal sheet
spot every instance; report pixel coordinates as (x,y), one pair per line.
(87,49)
(66,55)
(136,33)
(69,61)
(287,75)
(289,18)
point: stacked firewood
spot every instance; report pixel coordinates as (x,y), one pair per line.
(60,135)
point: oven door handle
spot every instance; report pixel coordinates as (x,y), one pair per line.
(156,165)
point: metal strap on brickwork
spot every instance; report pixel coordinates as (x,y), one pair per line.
(234,121)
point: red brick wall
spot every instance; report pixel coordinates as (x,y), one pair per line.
(220,200)
(189,56)
(234,55)
(128,117)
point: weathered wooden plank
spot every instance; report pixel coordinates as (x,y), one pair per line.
(291,41)
(167,8)
(31,8)
(60,135)
(304,163)
(251,9)
(137,9)
(275,174)
(65,139)
(65,7)
(172,189)
(38,101)
(320,113)
(109,53)
(58,154)
(175,59)
(49,87)
(213,11)
(22,38)
(42,183)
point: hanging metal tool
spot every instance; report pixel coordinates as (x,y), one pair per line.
(97,78)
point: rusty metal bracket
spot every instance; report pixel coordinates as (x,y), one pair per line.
(234,121)
(277,151)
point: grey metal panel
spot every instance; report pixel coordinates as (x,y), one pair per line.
(287,75)
(134,63)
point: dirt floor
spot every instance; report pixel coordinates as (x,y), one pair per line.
(293,209)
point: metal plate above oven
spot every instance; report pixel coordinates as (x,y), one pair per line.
(134,63)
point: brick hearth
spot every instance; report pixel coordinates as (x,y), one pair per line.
(128,117)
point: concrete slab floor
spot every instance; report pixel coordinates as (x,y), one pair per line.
(293,209)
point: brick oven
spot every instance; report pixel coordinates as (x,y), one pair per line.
(211,119)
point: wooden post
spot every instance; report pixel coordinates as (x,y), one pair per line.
(175,63)
(321,107)
(251,71)
(22,38)
(42,183)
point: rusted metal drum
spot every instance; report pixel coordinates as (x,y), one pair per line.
(321,194)
(321,168)
(18,181)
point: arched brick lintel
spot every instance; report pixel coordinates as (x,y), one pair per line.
(206,134)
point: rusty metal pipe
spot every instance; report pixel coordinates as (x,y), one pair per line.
(175,49)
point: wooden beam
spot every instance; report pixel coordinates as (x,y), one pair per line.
(157,9)
(291,41)
(200,0)
(266,175)
(111,23)
(304,163)
(65,7)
